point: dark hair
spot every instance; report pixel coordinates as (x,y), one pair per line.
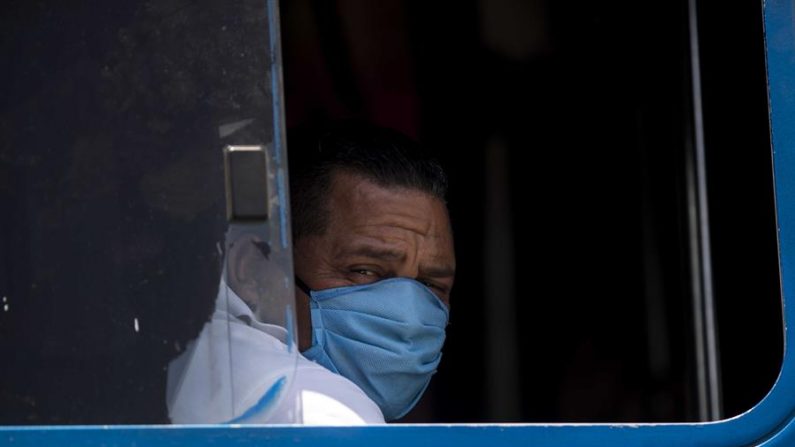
(383,156)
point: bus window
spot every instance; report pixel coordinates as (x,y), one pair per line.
(611,197)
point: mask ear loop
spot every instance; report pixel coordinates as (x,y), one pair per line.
(302,285)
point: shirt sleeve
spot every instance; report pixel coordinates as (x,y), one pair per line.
(330,399)
(201,384)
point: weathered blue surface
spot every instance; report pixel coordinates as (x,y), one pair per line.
(770,423)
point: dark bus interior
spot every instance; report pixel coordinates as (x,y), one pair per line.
(564,129)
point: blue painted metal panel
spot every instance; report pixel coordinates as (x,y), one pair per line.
(770,423)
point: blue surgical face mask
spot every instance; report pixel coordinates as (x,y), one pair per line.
(386,337)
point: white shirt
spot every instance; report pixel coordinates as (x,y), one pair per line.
(236,360)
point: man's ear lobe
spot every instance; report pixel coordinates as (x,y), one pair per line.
(241,260)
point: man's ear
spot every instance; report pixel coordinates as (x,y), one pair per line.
(244,260)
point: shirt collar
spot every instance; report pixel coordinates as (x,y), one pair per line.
(229,304)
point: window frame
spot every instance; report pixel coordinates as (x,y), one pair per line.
(770,422)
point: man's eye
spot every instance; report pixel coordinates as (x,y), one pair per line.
(431,285)
(439,290)
(365,275)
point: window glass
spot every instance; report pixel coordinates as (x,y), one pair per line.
(113,222)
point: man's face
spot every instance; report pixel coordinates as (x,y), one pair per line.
(375,233)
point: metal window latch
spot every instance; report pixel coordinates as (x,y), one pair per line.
(246,172)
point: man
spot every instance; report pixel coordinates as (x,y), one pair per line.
(374,266)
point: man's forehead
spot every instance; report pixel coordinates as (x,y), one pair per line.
(392,214)
(366,213)
(353,190)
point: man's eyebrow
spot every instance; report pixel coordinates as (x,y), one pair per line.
(391,254)
(437,271)
(369,251)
